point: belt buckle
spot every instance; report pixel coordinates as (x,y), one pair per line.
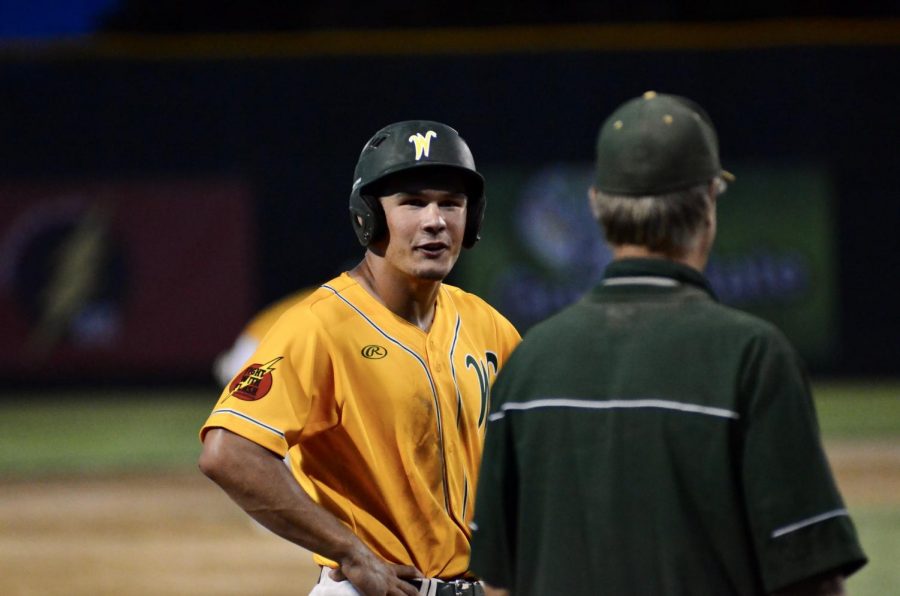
(461,587)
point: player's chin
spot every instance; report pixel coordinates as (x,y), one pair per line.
(434,270)
(432,273)
(435,267)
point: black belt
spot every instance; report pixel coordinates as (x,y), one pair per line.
(456,587)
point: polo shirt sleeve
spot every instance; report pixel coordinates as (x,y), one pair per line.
(271,400)
(799,522)
(494,527)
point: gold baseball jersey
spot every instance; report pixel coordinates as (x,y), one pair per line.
(382,423)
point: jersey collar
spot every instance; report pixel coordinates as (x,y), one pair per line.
(654,273)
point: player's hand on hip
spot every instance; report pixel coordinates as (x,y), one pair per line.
(374,577)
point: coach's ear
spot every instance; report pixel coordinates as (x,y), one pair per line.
(593,200)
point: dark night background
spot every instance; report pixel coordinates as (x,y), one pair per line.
(168,90)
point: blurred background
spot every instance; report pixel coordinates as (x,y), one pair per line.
(169,168)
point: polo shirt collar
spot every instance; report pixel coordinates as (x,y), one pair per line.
(654,272)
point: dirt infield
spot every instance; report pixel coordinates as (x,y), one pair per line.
(178,534)
(142,535)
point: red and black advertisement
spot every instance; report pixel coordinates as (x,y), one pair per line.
(115,279)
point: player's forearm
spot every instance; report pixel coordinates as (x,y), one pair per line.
(259,482)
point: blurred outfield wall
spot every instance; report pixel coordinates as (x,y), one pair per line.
(804,111)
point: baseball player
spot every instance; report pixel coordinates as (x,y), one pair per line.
(648,440)
(232,361)
(376,387)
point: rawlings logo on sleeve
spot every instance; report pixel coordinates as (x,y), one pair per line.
(254,382)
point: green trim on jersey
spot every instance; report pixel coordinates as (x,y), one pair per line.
(648,440)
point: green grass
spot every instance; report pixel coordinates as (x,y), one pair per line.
(858,410)
(90,432)
(117,431)
(879,532)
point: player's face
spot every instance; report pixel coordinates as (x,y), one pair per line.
(426,220)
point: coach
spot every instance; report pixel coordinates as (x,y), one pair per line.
(649,440)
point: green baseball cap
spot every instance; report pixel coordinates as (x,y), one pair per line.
(654,144)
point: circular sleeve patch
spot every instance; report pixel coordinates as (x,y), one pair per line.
(254,382)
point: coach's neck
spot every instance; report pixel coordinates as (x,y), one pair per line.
(694,258)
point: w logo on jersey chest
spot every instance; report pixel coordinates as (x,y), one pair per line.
(484,380)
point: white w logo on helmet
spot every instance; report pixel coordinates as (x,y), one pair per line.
(422,143)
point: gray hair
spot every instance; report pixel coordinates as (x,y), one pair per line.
(667,223)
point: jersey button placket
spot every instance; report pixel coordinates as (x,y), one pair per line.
(434,359)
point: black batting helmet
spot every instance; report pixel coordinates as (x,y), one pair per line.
(404,146)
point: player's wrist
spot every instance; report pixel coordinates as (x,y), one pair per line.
(354,553)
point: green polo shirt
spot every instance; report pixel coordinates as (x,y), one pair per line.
(649,440)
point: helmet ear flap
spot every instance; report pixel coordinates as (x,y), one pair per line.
(366,217)
(474,218)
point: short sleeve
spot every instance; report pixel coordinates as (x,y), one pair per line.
(270,401)
(799,522)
